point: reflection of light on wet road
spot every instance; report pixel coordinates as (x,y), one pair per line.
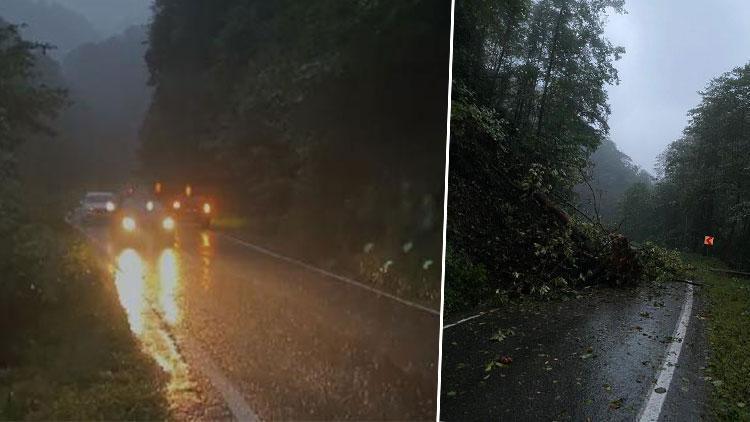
(169,275)
(129,281)
(206,253)
(144,296)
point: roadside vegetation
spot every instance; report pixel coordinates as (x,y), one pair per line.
(728,330)
(65,348)
(703,186)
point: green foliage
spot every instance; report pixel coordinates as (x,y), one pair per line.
(661,264)
(25,108)
(702,189)
(468,281)
(25,105)
(636,211)
(322,123)
(728,369)
(529,106)
(67,350)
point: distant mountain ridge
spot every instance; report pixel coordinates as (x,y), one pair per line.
(611,173)
(49,22)
(111,17)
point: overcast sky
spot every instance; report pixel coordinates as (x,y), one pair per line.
(674,47)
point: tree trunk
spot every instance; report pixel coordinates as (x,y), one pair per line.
(550,66)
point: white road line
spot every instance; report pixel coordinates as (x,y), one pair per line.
(461,321)
(652,408)
(329,274)
(241,411)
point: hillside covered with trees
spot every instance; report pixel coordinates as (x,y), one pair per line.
(703,184)
(529,110)
(319,123)
(45,22)
(61,327)
(609,175)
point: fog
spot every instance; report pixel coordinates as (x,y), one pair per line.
(111,16)
(97,57)
(673,48)
(67,24)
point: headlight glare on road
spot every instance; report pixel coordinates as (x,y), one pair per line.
(150,206)
(110,206)
(168,223)
(128,224)
(207,208)
(176,205)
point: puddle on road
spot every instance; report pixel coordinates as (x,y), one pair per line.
(150,299)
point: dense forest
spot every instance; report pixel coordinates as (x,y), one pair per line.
(61,326)
(322,123)
(529,110)
(26,108)
(703,184)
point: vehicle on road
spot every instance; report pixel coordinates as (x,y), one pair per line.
(142,220)
(98,206)
(194,208)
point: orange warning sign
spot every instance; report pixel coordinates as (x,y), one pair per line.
(708,240)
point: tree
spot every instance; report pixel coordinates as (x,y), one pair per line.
(321,122)
(26,107)
(703,186)
(529,106)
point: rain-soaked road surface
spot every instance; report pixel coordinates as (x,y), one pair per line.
(591,358)
(275,340)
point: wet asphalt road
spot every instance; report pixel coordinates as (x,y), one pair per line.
(595,358)
(295,344)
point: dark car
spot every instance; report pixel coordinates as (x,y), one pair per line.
(194,208)
(97,206)
(141,219)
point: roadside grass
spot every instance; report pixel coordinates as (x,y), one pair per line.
(77,359)
(229,223)
(729,338)
(408,268)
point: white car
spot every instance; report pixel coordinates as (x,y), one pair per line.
(98,205)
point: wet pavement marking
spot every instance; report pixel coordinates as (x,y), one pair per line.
(461,321)
(329,274)
(652,408)
(241,411)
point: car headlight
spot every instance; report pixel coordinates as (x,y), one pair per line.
(168,223)
(150,205)
(176,205)
(207,208)
(110,206)
(128,224)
